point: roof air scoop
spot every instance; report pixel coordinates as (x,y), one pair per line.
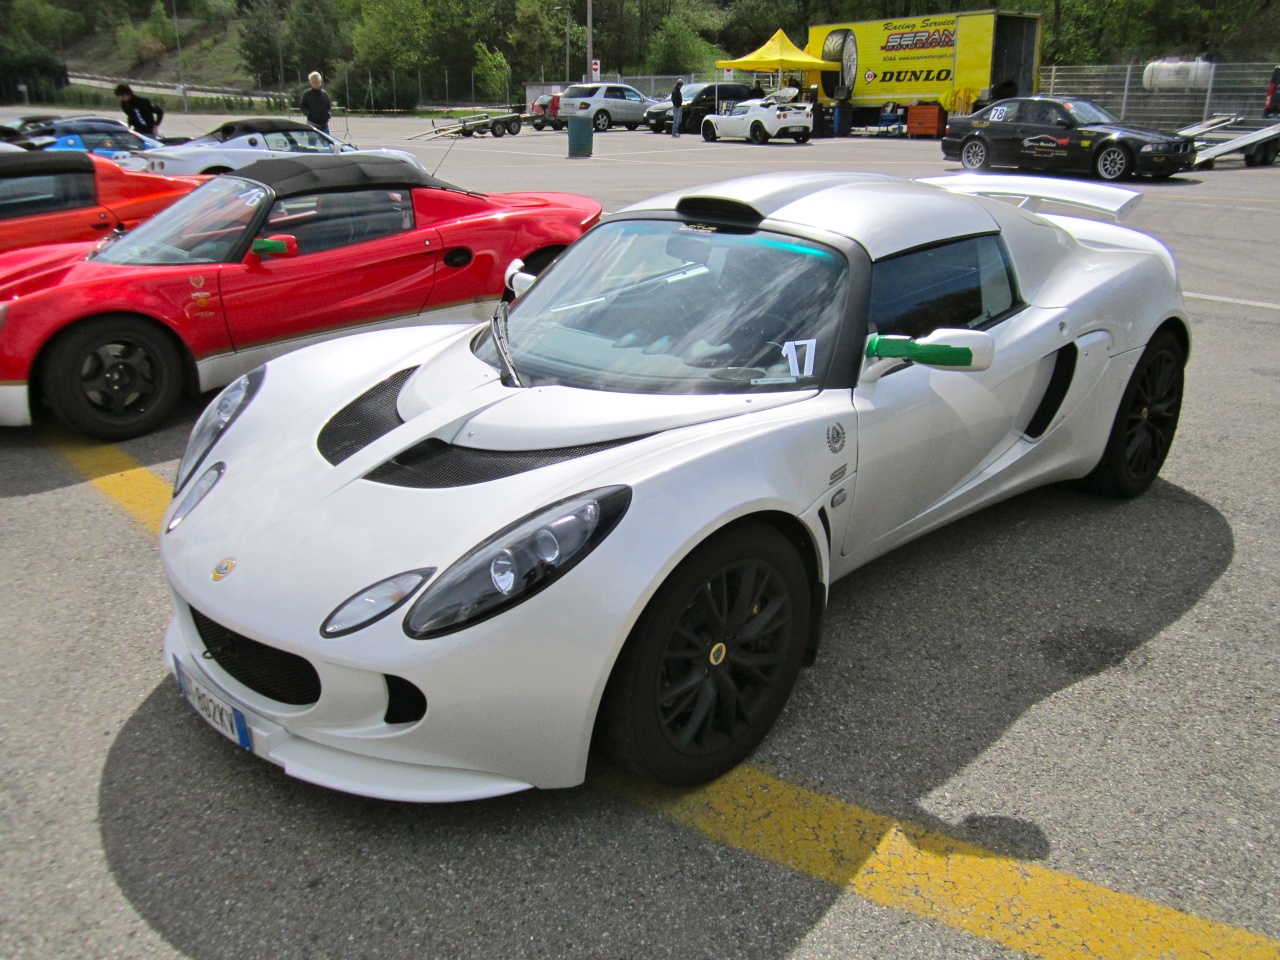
(719,208)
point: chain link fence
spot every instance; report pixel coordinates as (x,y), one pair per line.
(1174,96)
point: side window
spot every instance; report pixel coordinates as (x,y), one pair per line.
(277,141)
(1002,112)
(969,283)
(327,221)
(308,141)
(615,93)
(635,96)
(45,193)
(1041,113)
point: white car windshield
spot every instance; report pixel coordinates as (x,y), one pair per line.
(206,226)
(657,306)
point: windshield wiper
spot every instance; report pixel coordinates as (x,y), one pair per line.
(498,330)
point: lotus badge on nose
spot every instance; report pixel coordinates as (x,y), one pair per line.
(223,568)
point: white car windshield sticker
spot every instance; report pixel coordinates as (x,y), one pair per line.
(789,351)
(252,197)
(998,113)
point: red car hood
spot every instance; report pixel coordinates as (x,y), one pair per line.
(24,272)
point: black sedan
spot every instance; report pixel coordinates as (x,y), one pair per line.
(1063,134)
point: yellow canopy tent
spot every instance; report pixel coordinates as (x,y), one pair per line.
(778,54)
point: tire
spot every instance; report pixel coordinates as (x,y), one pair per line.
(1252,158)
(498,128)
(709,132)
(513,126)
(1145,422)
(759,135)
(631,126)
(658,127)
(557,124)
(802,137)
(538,123)
(112,377)
(1112,162)
(975,154)
(1270,150)
(468,132)
(214,171)
(601,121)
(675,713)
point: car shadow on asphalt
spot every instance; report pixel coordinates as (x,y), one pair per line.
(929,656)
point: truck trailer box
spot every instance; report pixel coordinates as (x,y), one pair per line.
(968,57)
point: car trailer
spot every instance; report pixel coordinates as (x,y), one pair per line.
(480,123)
(1260,147)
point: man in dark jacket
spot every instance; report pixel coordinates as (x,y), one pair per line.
(143,115)
(677,107)
(316,104)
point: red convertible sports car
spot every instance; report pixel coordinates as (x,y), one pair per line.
(281,254)
(64,196)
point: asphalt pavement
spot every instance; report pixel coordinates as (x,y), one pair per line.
(1058,689)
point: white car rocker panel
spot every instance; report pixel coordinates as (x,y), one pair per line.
(431,564)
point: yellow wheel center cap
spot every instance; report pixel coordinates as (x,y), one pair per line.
(717,654)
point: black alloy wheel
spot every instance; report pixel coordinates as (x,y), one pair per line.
(759,135)
(709,132)
(713,659)
(802,137)
(112,377)
(1145,422)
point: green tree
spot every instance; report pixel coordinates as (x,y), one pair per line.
(216,13)
(537,39)
(394,35)
(676,48)
(316,35)
(493,74)
(262,41)
(41,23)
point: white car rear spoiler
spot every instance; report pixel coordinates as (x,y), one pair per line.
(1114,201)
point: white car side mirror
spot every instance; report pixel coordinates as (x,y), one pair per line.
(946,349)
(517,280)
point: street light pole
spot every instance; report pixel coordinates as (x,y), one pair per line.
(590,57)
(566,45)
(177,37)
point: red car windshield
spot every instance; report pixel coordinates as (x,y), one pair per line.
(208,225)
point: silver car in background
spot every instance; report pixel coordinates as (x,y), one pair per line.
(606,104)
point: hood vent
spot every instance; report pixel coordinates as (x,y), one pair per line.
(434,464)
(369,416)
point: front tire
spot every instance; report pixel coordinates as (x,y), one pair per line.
(112,377)
(498,128)
(759,135)
(709,133)
(1145,422)
(631,126)
(1112,163)
(712,660)
(975,155)
(513,126)
(602,121)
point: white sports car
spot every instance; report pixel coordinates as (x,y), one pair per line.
(429,563)
(239,143)
(761,120)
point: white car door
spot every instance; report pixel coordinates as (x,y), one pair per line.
(924,431)
(734,125)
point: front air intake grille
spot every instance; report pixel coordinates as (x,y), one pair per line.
(277,675)
(366,418)
(405,702)
(434,464)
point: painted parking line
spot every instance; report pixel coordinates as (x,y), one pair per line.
(1260,304)
(1017,904)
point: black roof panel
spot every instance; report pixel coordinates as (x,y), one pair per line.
(26,164)
(292,176)
(238,128)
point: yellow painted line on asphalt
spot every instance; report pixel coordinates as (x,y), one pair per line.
(1014,903)
(142,494)
(1017,904)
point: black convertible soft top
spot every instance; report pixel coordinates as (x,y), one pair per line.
(238,128)
(27,163)
(292,176)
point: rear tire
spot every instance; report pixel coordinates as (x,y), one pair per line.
(709,132)
(214,171)
(602,121)
(1145,422)
(712,660)
(759,135)
(538,123)
(802,137)
(513,126)
(112,377)
(631,126)
(1270,150)
(557,124)
(975,155)
(498,128)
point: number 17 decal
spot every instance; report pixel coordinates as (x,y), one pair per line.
(790,352)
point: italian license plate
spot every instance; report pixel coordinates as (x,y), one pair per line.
(220,714)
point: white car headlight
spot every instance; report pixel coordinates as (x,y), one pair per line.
(517,562)
(215,420)
(199,490)
(374,603)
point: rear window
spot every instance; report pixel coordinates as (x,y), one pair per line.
(580,92)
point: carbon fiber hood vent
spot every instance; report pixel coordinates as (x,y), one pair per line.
(369,416)
(434,464)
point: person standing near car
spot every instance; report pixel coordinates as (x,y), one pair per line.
(315,103)
(677,107)
(756,92)
(141,114)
